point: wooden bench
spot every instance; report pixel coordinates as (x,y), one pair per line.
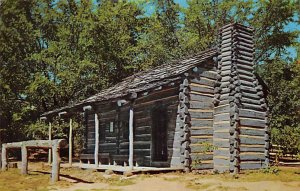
(90,157)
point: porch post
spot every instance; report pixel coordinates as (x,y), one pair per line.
(4,158)
(56,162)
(131,137)
(24,169)
(96,140)
(70,142)
(50,138)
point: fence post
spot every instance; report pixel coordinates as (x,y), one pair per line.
(24,169)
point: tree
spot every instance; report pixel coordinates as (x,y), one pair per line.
(56,52)
(203,19)
(17,43)
(159,40)
(270,20)
(283,80)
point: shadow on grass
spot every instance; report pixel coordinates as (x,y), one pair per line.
(76,180)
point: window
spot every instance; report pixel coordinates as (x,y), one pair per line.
(125,129)
(111,127)
(102,134)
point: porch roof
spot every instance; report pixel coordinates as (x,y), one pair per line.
(144,80)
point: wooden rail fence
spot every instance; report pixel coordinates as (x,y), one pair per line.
(55,145)
(278,157)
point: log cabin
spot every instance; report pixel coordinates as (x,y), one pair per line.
(206,111)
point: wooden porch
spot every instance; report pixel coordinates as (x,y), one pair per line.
(122,169)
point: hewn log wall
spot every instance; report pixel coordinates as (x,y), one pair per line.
(181,149)
(118,146)
(166,97)
(202,80)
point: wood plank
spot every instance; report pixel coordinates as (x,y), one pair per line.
(252,122)
(201,123)
(36,144)
(166,92)
(222,117)
(198,97)
(199,140)
(252,149)
(201,105)
(221,135)
(252,140)
(203,81)
(218,160)
(202,166)
(143,137)
(195,132)
(252,156)
(255,132)
(201,86)
(222,152)
(199,148)
(222,109)
(248,89)
(172,99)
(252,113)
(252,107)
(251,165)
(211,95)
(251,101)
(221,143)
(251,96)
(221,125)
(201,115)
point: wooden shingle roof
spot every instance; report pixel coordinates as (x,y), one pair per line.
(145,80)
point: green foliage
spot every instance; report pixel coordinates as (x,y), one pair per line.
(283,80)
(60,129)
(204,18)
(270,21)
(56,52)
(204,148)
(288,137)
(271,170)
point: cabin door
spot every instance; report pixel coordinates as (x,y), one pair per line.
(159,134)
(123,133)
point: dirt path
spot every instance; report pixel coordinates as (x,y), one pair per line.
(76,179)
(211,184)
(151,184)
(174,183)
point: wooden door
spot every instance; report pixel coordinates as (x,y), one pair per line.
(123,132)
(159,134)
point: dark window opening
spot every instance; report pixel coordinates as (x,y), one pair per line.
(102,134)
(110,127)
(159,134)
(125,129)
